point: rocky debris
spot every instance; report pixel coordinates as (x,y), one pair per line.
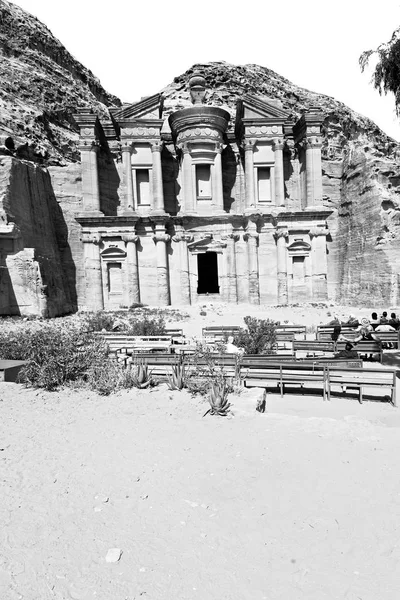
(41,86)
(113,555)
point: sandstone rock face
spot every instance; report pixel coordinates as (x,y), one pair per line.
(361,178)
(41,86)
(38,274)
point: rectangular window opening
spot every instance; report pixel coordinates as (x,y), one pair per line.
(143,187)
(264,184)
(203,181)
(298,270)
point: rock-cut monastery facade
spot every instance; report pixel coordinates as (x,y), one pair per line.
(207,209)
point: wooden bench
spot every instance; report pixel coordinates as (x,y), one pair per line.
(290,373)
(128,344)
(364,348)
(391,338)
(314,347)
(360,379)
(299,331)
(324,332)
(284,341)
(220,333)
(9,369)
(177,336)
(325,375)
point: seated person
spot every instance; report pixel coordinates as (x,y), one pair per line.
(352,321)
(385,327)
(394,321)
(348,352)
(230,347)
(374,320)
(337,327)
(383,320)
(364,332)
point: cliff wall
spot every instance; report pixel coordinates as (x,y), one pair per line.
(41,87)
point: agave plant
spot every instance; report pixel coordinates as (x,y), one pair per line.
(141,377)
(177,379)
(218,400)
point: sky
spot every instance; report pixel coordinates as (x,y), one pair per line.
(137,47)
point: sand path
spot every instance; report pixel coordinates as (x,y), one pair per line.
(301,502)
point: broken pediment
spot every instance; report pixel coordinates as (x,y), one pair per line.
(147,108)
(255,108)
(206,244)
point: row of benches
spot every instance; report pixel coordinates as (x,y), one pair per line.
(263,371)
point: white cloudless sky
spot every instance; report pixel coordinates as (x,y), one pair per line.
(136,47)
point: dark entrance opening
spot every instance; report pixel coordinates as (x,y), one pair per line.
(207,269)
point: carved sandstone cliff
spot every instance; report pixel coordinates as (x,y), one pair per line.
(41,86)
(361,178)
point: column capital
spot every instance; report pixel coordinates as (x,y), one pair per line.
(251,235)
(183,237)
(185,148)
(89,146)
(231,236)
(129,237)
(318,231)
(313,142)
(161,237)
(91,237)
(156,145)
(249,144)
(278,144)
(126,147)
(281,233)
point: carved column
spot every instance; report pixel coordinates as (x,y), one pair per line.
(183,239)
(249,174)
(189,206)
(90,178)
(161,239)
(158,192)
(242,269)
(93,275)
(319,263)
(278,145)
(252,243)
(231,240)
(129,198)
(218,190)
(313,170)
(133,287)
(281,236)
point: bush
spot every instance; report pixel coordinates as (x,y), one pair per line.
(258,338)
(57,353)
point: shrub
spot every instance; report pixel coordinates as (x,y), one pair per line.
(258,338)
(145,326)
(99,320)
(57,353)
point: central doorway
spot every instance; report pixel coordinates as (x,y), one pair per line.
(207,270)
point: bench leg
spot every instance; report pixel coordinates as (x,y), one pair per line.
(360,399)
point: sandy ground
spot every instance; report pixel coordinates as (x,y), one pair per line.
(302,502)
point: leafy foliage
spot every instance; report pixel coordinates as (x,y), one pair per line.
(57,353)
(386,76)
(258,338)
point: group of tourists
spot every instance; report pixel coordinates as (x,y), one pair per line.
(365,329)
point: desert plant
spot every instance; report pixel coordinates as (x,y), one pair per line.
(258,338)
(140,376)
(177,379)
(218,399)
